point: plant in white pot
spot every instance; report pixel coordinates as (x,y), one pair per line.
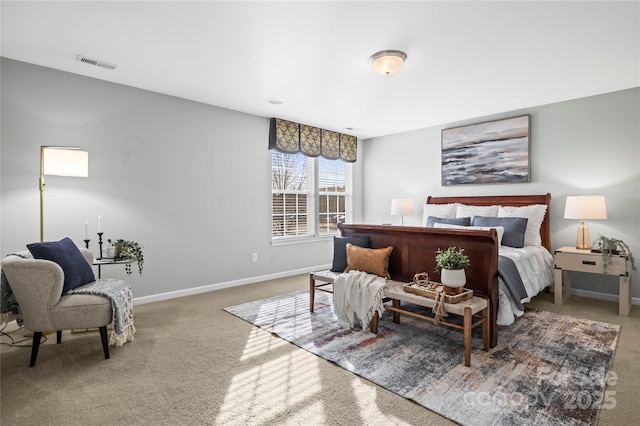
(452,262)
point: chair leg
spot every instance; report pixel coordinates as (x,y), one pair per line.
(37,335)
(59,336)
(105,342)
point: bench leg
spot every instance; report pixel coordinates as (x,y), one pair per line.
(485,328)
(467,336)
(312,292)
(374,323)
(396,315)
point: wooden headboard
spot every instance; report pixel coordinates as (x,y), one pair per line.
(504,200)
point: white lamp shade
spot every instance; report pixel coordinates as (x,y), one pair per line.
(65,162)
(401,206)
(584,207)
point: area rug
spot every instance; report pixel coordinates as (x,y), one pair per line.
(547,369)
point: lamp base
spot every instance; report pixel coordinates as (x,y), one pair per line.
(583,240)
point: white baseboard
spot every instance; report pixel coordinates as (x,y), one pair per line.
(602,296)
(252,280)
(219,286)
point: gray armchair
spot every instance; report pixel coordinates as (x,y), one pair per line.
(37,286)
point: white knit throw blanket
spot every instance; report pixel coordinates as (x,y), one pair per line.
(357,295)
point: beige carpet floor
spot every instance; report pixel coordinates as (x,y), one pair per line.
(193,364)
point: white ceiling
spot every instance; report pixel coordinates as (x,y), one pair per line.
(465,59)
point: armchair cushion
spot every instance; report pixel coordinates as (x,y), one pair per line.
(77,271)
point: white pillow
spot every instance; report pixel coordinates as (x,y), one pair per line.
(465,210)
(438,210)
(535,213)
(499,229)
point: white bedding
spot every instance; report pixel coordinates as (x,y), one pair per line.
(535,265)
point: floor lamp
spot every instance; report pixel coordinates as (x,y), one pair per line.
(60,161)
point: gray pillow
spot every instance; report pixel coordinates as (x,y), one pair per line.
(340,250)
(461,221)
(514,228)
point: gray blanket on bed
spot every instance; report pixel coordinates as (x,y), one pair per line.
(508,271)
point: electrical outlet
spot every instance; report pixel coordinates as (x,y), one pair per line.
(254,257)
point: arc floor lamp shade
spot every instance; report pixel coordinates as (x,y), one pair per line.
(60,161)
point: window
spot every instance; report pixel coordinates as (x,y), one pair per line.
(309,195)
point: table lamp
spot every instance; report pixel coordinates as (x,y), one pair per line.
(401,207)
(584,207)
(60,161)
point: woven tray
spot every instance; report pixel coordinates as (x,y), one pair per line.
(431,294)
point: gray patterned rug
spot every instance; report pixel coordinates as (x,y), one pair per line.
(547,369)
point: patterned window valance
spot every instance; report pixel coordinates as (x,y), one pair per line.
(290,137)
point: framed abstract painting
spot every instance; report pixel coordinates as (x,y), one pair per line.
(490,152)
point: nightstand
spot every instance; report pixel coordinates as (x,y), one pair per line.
(569,259)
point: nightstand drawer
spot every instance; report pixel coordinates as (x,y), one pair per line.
(589,262)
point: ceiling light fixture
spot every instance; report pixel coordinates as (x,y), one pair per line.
(387,62)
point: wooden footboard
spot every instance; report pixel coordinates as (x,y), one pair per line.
(414,251)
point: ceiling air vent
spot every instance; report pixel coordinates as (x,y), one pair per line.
(95,62)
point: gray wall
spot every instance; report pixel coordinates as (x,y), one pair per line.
(188,181)
(164,171)
(585,146)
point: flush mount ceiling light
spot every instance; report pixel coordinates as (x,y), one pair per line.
(387,62)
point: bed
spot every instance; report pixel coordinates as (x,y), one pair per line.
(534,260)
(414,250)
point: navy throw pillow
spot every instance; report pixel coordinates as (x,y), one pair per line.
(514,228)
(461,221)
(340,250)
(77,271)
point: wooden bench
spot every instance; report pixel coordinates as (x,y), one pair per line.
(474,308)
(415,248)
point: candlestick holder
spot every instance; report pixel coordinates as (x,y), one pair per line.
(86,244)
(100,244)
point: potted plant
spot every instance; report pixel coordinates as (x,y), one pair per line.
(452,262)
(125,250)
(610,246)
